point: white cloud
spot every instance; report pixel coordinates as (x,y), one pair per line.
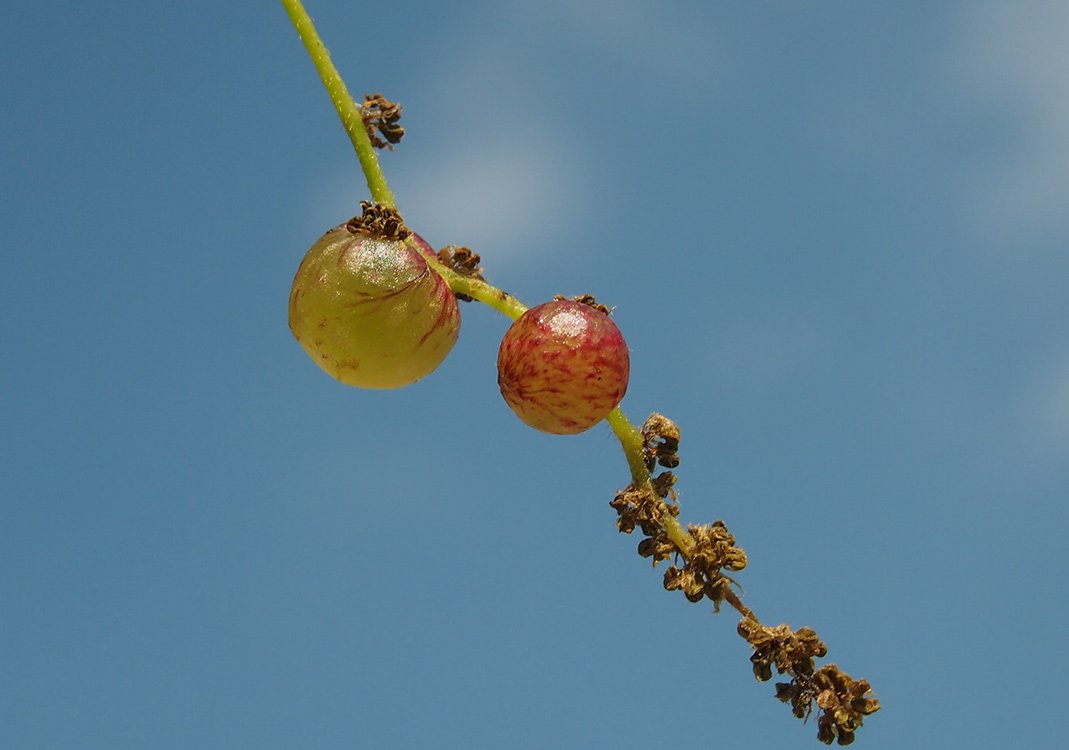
(492,196)
(1049,412)
(493,172)
(1015,60)
(487,179)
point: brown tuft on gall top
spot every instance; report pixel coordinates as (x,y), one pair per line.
(381,222)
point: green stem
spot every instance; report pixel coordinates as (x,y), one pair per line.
(680,537)
(479,290)
(347,110)
(632,443)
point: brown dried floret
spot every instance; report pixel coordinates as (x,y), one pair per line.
(660,441)
(463,261)
(789,651)
(659,548)
(378,221)
(687,579)
(700,576)
(642,508)
(588,300)
(843,702)
(664,485)
(639,507)
(715,547)
(380,117)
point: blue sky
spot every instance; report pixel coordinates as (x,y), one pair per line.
(837,240)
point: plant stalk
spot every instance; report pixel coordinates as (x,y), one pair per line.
(629,436)
(347,110)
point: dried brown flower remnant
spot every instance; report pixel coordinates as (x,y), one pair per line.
(588,300)
(659,548)
(378,221)
(644,508)
(641,508)
(664,484)
(715,547)
(843,701)
(790,652)
(380,117)
(660,436)
(463,261)
(700,575)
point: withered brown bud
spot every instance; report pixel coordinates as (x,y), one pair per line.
(378,221)
(660,436)
(588,300)
(380,117)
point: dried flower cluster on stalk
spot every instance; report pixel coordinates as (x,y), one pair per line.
(700,558)
(700,554)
